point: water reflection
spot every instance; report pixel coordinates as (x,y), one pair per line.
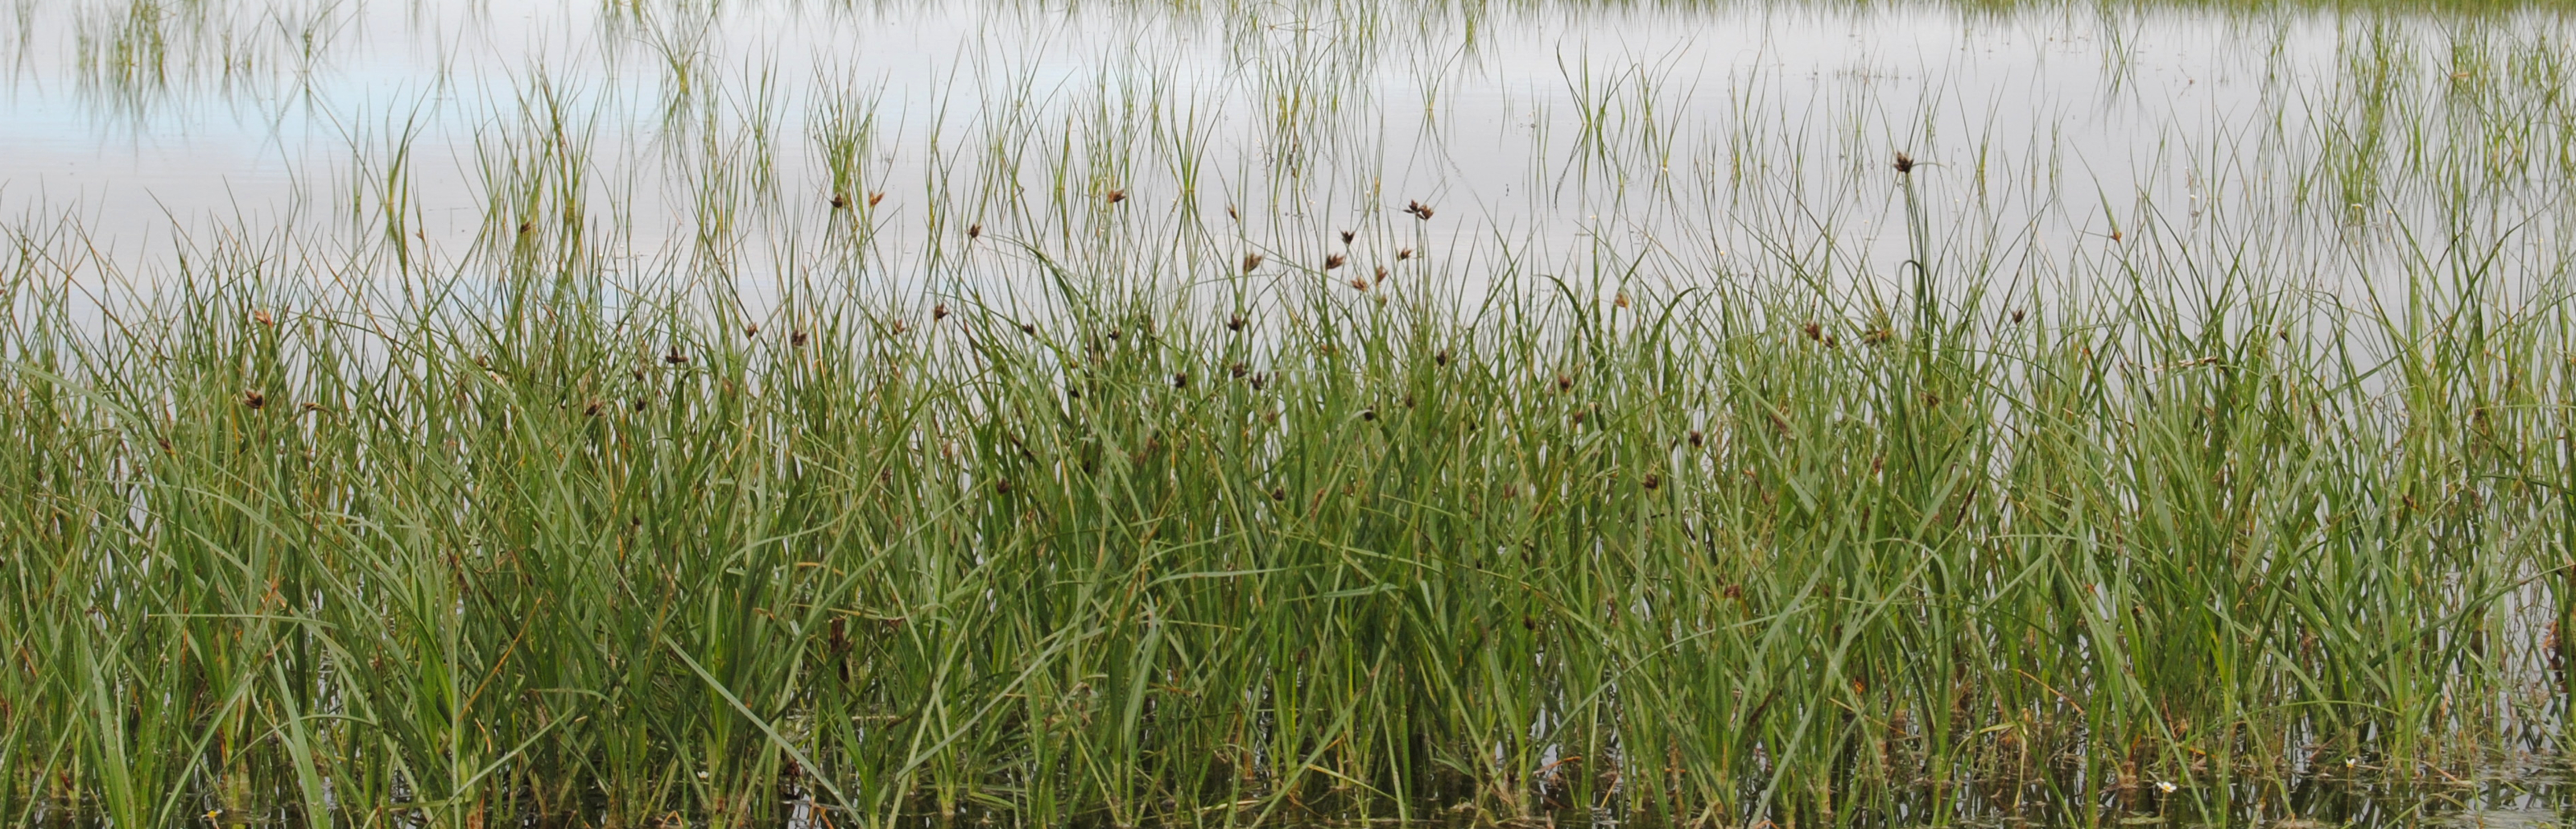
(1694,131)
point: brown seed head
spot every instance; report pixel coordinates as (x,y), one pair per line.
(1564,383)
(1347,236)
(1278,494)
(1230,214)
(1251,261)
(675,357)
(1418,209)
(796,338)
(1116,196)
(2017,315)
(1381,273)
(1904,164)
(308,406)
(1368,414)
(840,201)
(974,230)
(1813,330)
(939,312)
(1234,323)
(1733,591)
(526,228)
(876,196)
(262,317)
(254,399)
(1359,284)
(1442,358)
(1029,329)
(1696,439)
(1620,301)
(591,410)
(1002,487)
(1652,480)
(1181,380)
(1404,254)
(1333,261)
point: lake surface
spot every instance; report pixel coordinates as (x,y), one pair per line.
(1680,137)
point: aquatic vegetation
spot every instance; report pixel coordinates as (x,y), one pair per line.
(1139,553)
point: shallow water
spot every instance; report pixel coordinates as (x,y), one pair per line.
(1693,134)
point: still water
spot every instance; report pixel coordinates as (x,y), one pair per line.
(1679,137)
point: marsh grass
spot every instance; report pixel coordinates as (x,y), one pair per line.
(582,551)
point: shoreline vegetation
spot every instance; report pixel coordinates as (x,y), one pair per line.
(1264,548)
(1104,456)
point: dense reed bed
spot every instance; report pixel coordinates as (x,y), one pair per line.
(1231,549)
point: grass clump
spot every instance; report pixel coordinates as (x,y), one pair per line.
(1260,548)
